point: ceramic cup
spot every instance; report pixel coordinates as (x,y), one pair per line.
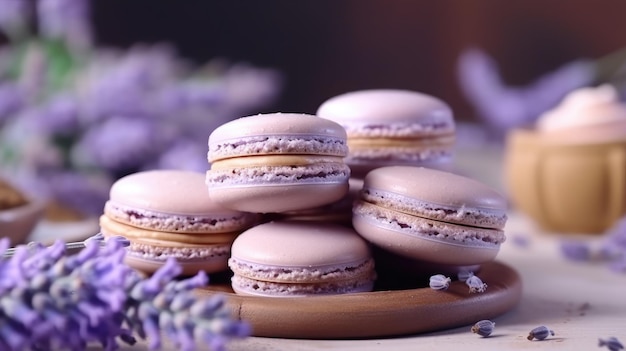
(564,185)
(18,222)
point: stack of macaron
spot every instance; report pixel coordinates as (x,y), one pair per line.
(366,162)
(277,162)
(290,164)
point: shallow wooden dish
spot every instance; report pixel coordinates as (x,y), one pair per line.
(382,313)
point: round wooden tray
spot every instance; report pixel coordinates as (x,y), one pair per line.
(380,313)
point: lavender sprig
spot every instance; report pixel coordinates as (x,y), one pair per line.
(57,119)
(92,296)
(504,107)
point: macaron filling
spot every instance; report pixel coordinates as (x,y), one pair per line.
(216,222)
(475,216)
(428,229)
(277,144)
(332,173)
(421,129)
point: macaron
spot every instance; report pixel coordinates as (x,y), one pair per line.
(168,213)
(339,212)
(277,162)
(387,127)
(431,215)
(298,258)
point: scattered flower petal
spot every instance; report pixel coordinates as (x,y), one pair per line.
(575,250)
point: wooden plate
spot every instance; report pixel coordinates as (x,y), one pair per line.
(380,313)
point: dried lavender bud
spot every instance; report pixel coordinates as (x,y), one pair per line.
(475,284)
(540,333)
(483,328)
(575,250)
(439,282)
(611,343)
(521,240)
(464,275)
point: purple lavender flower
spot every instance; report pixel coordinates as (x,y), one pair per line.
(502,107)
(475,284)
(161,303)
(68,299)
(439,282)
(25,144)
(184,155)
(613,248)
(134,80)
(616,235)
(60,115)
(83,192)
(11,99)
(521,240)
(121,144)
(65,19)
(575,250)
(92,296)
(618,264)
(14,16)
(7,56)
(190,95)
(611,343)
(114,112)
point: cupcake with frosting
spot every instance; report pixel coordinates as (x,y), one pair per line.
(569,172)
(593,115)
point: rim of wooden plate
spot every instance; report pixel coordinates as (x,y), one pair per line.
(378,313)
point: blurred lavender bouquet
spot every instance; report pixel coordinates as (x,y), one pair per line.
(502,107)
(75,117)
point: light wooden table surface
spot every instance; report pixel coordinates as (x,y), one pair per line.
(581,302)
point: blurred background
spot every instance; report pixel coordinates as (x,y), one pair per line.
(325,48)
(93,90)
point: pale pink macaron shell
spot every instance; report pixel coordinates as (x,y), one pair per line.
(431,215)
(436,195)
(284,256)
(172,201)
(277,133)
(389,113)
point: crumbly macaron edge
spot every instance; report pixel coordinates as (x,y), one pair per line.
(154,220)
(249,286)
(449,233)
(298,274)
(329,173)
(461,215)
